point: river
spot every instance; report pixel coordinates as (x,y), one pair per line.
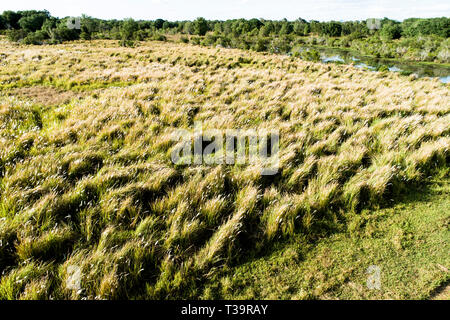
(334,55)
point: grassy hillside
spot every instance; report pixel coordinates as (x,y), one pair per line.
(87,181)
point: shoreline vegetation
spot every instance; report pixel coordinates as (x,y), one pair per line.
(349,50)
(87,186)
(419,40)
(444,68)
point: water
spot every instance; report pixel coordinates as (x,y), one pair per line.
(445,79)
(395,69)
(365,66)
(336,58)
(332,55)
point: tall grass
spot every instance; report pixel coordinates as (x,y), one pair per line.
(89,183)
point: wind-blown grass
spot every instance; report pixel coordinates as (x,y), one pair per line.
(89,182)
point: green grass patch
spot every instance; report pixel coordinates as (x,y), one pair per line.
(66,84)
(408,242)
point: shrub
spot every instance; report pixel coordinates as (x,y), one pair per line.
(16,35)
(310,55)
(37,37)
(391,31)
(200,26)
(184,39)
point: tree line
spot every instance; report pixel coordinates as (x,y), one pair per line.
(39,26)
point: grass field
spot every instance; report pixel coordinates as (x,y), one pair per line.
(408,241)
(87,181)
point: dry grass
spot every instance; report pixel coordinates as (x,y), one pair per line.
(87,181)
(47,96)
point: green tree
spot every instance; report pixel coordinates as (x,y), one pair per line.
(49,25)
(260,45)
(159,23)
(36,38)
(200,26)
(314,27)
(61,33)
(437,26)
(255,24)
(218,28)
(307,30)
(391,31)
(189,28)
(310,55)
(332,29)
(286,28)
(11,19)
(299,28)
(32,21)
(89,26)
(265,30)
(127,30)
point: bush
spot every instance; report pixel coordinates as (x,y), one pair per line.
(260,45)
(127,43)
(332,29)
(200,26)
(140,35)
(16,35)
(391,31)
(280,46)
(159,37)
(196,40)
(310,55)
(85,36)
(184,40)
(36,38)
(62,33)
(33,21)
(209,40)
(127,32)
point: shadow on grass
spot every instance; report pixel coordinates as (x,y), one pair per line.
(425,192)
(442,290)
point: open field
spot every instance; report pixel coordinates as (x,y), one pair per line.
(87,181)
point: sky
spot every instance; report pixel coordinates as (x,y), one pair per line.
(322,10)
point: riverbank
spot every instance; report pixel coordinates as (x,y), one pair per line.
(292,45)
(405,67)
(354,52)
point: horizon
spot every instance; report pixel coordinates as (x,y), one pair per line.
(177,10)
